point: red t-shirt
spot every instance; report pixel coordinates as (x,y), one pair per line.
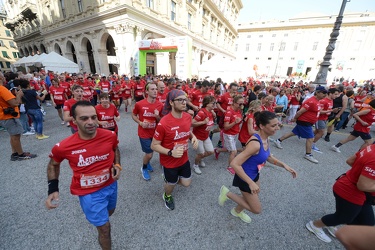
(116,92)
(174,132)
(197,98)
(68,104)
(202,132)
(325,104)
(58,94)
(357,101)
(87,91)
(346,186)
(162,97)
(145,112)
(139,89)
(230,117)
(369,118)
(90,160)
(108,114)
(312,107)
(225,100)
(105,86)
(244,135)
(293,99)
(66,87)
(127,90)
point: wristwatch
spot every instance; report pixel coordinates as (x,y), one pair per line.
(170,152)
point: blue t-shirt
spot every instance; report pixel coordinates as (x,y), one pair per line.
(254,164)
(29,97)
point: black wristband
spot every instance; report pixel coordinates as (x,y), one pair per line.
(53,186)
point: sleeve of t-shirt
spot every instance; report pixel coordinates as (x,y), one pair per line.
(159,132)
(7,95)
(66,106)
(136,109)
(306,105)
(227,117)
(56,153)
(200,116)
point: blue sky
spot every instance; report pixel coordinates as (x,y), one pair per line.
(255,10)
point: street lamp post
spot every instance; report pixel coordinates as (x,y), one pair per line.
(321,77)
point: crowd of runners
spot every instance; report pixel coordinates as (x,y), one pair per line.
(170,111)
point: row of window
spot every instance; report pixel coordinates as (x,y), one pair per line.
(273,35)
(15,54)
(11,44)
(6,63)
(293,58)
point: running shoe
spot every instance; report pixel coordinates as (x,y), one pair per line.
(202,164)
(311,158)
(223,195)
(168,201)
(316,149)
(318,232)
(219,144)
(145,174)
(336,149)
(242,215)
(231,170)
(149,167)
(197,169)
(332,231)
(326,138)
(14,157)
(26,156)
(42,137)
(278,144)
(62,123)
(28,133)
(217,153)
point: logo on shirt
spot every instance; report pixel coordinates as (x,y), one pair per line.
(370,171)
(91,160)
(148,114)
(78,151)
(181,135)
(174,128)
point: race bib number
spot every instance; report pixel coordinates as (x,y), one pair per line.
(95,179)
(183,143)
(109,125)
(127,92)
(149,123)
(260,166)
(105,90)
(139,92)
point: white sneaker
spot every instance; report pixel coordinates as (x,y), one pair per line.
(278,144)
(29,133)
(336,149)
(318,232)
(197,169)
(202,164)
(311,158)
(62,123)
(332,231)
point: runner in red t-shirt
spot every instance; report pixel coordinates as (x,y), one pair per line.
(77,92)
(171,142)
(197,96)
(104,85)
(146,114)
(353,193)
(326,105)
(94,157)
(162,95)
(139,89)
(127,88)
(58,97)
(116,93)
(232,122)
(365,118)
(249,126)
(108,115)
(305,118)
(202,124)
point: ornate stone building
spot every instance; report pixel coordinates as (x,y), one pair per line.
(103,36)
(297,46)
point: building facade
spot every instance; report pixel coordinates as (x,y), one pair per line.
(103,36)
(296,47)
(9,52)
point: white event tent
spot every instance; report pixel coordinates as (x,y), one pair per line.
(51,61)
(228,70)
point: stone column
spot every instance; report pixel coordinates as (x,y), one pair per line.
(83,61)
